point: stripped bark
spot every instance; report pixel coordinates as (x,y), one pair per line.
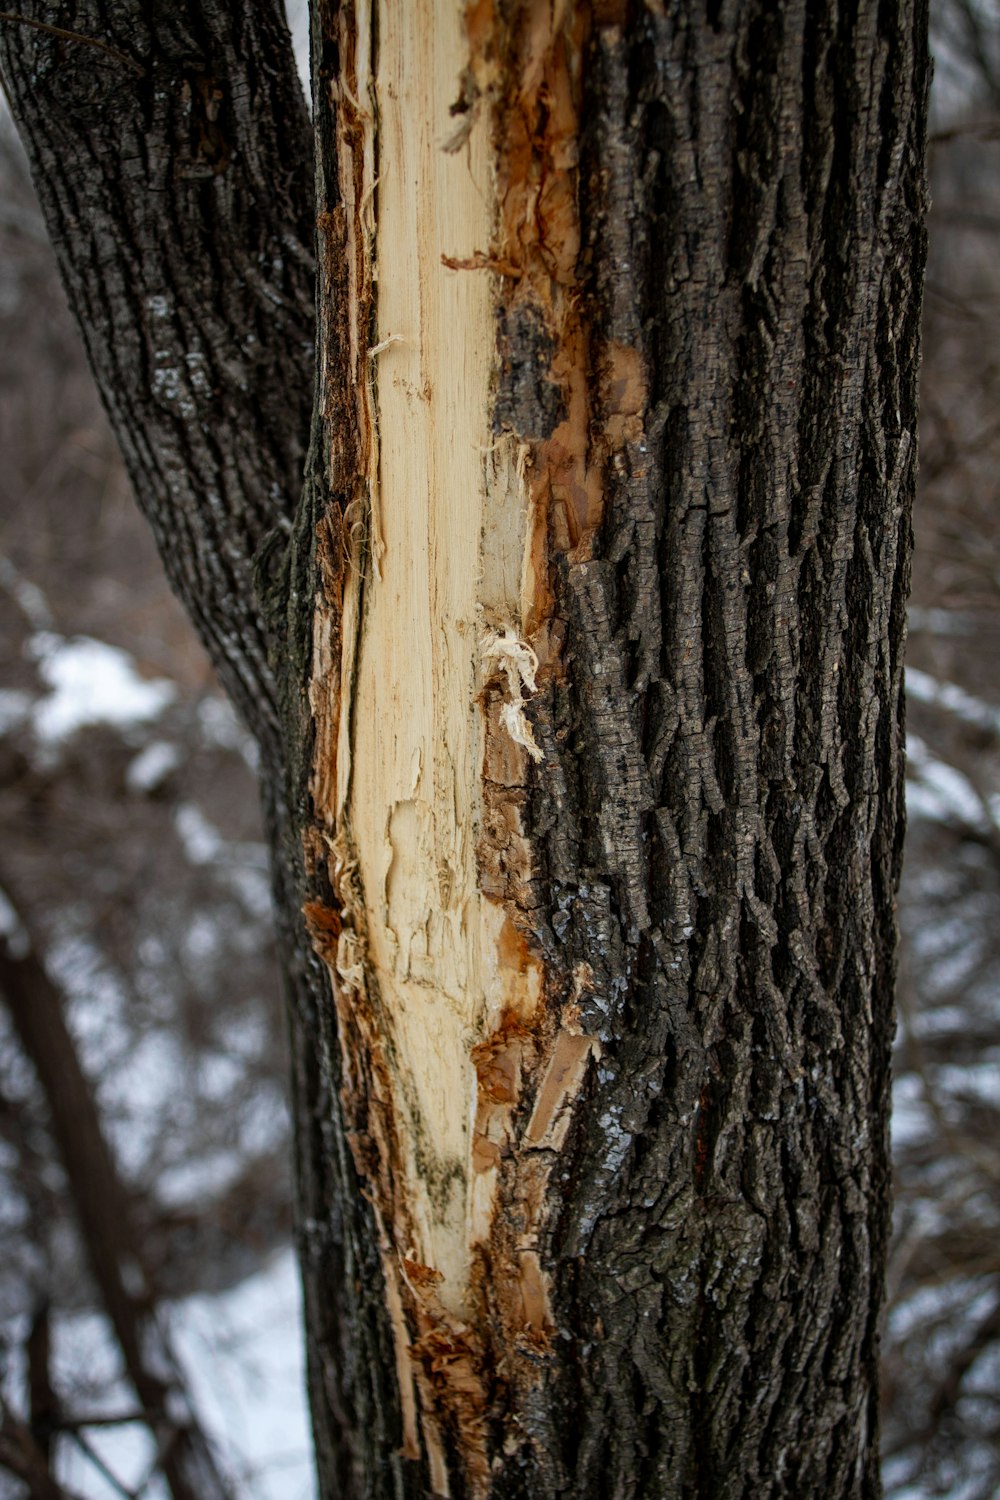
(628,1173)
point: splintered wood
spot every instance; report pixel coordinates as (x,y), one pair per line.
(459,1074)
(412,800)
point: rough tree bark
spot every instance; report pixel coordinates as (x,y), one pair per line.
(585,661)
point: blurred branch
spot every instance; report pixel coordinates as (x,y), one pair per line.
(983,130)
(976,37)
(949,1391)
(958,1142)
(104,1212)
(73,36)
(65,1423)
(92,1455)
(44,1407)
(20,1456)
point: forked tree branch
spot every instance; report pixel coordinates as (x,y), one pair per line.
(180,207)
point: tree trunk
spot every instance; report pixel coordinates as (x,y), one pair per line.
(586,651)
(153,161)
(606,683)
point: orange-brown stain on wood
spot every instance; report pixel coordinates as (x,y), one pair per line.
(525,69)
(325,925)
(503,854)
(559,1087)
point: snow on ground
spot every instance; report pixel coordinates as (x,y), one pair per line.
(242,1350)
(90,682)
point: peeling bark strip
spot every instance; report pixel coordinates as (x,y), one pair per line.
(606,682)
(455,1054)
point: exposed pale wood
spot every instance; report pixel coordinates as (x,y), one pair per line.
(440,590)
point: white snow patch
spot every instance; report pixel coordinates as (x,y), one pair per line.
(91,683)
(202,842)
(152,766)
(243,1355)
(927,689)
(939,792)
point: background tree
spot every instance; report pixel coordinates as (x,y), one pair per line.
(641,1232)
(133,851)
(942,1342)
(110,1235)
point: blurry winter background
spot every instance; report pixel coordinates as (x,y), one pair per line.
(942,1341)
(132,864)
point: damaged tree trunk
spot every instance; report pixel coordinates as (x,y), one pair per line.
(581,723)
(619,322)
